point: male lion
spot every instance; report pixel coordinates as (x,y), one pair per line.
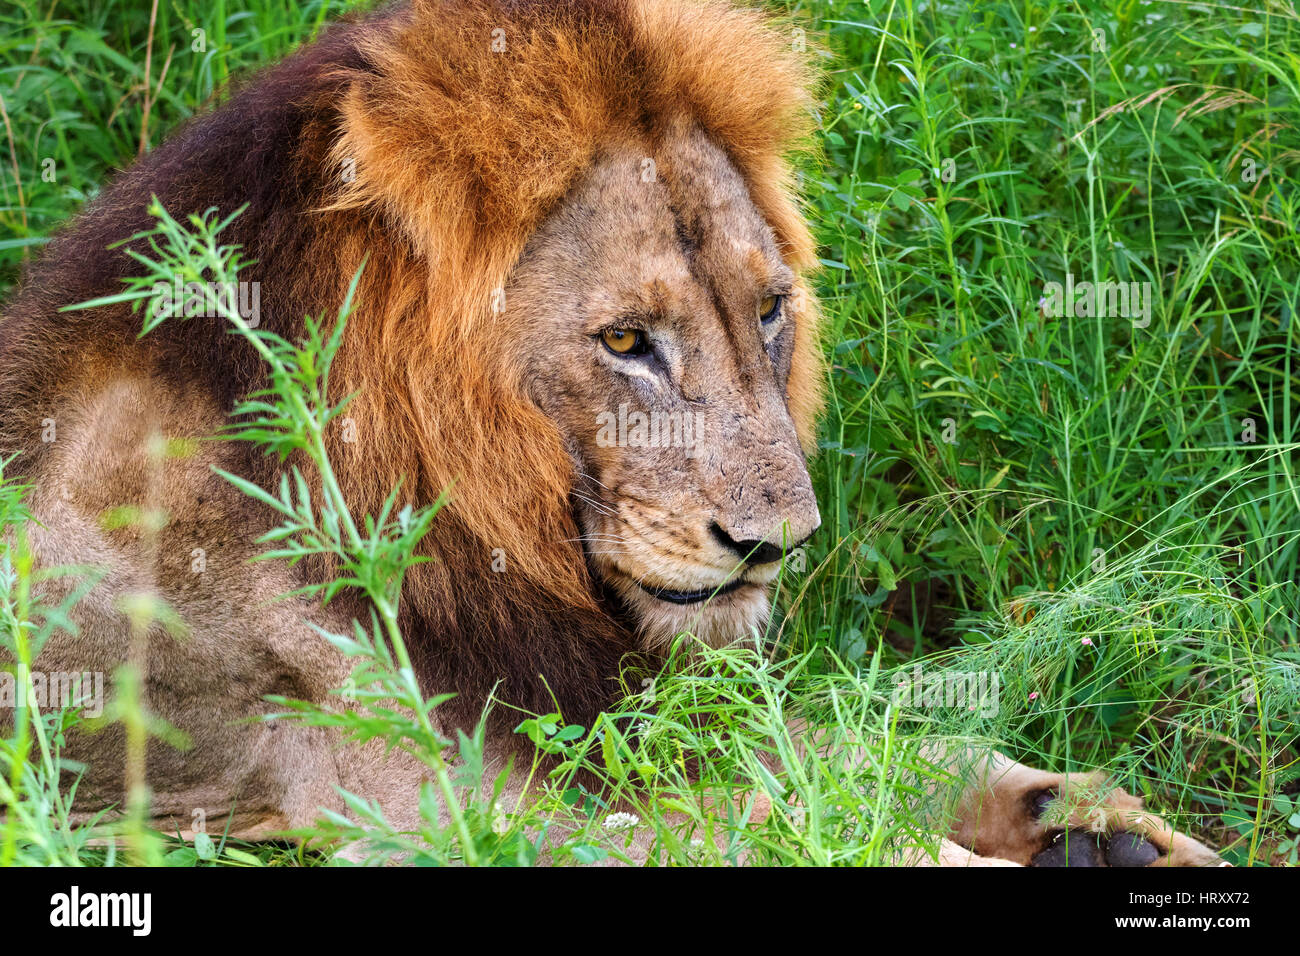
(574,212)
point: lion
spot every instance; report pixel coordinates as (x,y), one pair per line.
(574,215)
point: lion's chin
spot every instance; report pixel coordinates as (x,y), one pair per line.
(729,615)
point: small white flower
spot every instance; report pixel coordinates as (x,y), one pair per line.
(622,821)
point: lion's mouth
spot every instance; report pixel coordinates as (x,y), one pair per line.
(692,597)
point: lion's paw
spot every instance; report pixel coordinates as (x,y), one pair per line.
(1037,818)
(1111,831)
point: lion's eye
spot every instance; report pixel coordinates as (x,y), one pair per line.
(769,309)
(625,341)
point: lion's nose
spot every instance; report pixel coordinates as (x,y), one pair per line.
(759,551)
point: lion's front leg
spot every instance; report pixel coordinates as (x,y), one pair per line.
(1035,818)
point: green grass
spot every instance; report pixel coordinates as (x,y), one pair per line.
(1075,504)
(1096,483)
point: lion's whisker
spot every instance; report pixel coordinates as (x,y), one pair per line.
(592,502)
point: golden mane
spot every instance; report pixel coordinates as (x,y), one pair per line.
(470,120)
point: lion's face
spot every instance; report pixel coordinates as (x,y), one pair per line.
(654,322)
